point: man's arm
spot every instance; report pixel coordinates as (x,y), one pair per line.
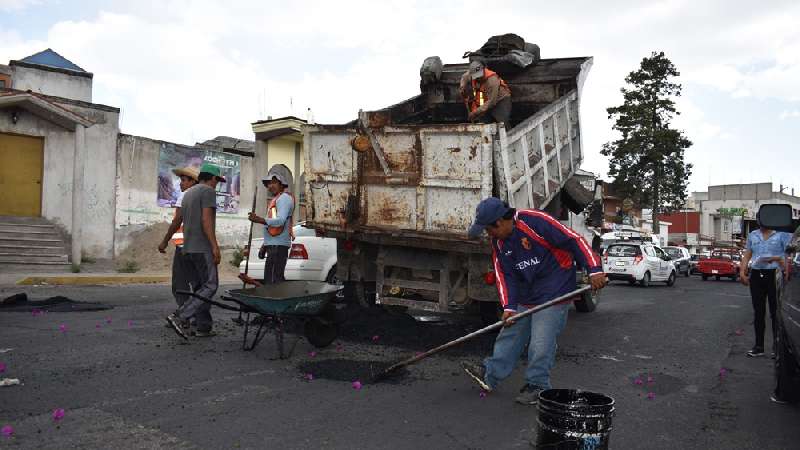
(177,221)
(506,285)
(208,230)
(284,212)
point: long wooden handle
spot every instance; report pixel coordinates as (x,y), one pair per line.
(250,238)
(563,299)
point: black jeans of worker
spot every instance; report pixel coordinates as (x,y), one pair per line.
(501,113)
(763,289)
(275,264)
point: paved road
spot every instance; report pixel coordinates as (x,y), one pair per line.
(132,384)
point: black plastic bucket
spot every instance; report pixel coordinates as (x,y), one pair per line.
(572,419)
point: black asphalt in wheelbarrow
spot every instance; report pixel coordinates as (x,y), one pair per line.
(308,301)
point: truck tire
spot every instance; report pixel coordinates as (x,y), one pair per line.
(645,281)
(787,373)
(587,303)
(705,277)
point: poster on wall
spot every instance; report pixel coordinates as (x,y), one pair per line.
(175,156)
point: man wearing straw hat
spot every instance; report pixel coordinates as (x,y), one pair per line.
(180,278)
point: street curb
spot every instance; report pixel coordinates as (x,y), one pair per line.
(76,280)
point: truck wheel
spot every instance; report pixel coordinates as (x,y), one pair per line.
(645,280)
(705,277)
(671,279)
(587,303)
(717,277)
(491,312)
(320,333)
(787,373)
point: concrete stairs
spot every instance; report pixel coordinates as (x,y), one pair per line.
(31,242)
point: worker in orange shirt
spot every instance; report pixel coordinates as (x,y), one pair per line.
(486,95)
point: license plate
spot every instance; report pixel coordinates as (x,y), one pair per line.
(614,269)
(715,271)
(620,263)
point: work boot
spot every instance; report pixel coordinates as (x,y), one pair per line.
(756,352)
(478,374)
(528,395)
(175,323)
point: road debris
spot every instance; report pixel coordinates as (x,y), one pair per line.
(7,430)
(58,414)
(5,382)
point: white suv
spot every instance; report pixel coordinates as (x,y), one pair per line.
(638,262)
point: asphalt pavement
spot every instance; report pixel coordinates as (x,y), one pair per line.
(673,358)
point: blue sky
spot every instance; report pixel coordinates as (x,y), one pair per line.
(190,70)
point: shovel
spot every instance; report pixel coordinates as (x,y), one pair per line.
(566,298)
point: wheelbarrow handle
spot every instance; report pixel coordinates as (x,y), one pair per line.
(208,300)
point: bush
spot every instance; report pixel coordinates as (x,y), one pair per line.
(128,267)
(87,259)
(76,268)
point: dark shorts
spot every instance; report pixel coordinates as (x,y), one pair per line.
(275,264)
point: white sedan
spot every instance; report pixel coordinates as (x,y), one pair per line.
(310,258)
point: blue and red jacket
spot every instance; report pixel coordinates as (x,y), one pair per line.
(537,262)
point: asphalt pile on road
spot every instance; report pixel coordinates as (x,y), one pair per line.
(352,370)
(21,303)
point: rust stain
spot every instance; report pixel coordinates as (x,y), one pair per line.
(473,151)
(455,149)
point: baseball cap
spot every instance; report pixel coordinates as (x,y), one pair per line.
(476,69)
(213,170)
(187,171)
(489,211)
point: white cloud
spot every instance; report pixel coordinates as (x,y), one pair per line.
(17,5)
(789,114)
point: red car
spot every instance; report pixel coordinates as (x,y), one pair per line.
(721,263)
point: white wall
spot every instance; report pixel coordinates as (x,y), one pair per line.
(51,83)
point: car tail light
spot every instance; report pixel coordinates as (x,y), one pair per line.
(637,259)
(348,245)
(489,278)
(298,251)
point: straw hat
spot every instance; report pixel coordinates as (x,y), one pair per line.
(187,171)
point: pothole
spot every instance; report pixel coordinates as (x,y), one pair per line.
(351,370)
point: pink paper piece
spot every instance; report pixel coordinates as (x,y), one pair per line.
(357,385)
(638,381)
(482,394)
(650,380)
(62,328)
(312,354)
(375,338)
(97,326)
(651,395)
(36,312)
(723,371)
(108,320)
(58,414)
(2,367)
(7,430)
(309,377)
(739,332)
(130,323)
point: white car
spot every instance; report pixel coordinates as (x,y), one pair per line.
(638,262)
(311,258)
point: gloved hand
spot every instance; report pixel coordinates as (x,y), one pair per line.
(262,252)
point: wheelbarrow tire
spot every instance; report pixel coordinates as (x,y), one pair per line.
(320,333)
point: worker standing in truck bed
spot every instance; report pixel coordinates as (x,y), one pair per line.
(486,95)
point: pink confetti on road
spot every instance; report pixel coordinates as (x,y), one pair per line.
(58,414)
(739,332)
(309,377)
(638,382)
(36,312)
(651,395)
(650,380)
(375,338)
(312,354)
(723,371)
(7,430)
(2,367)
(482,394)
(130,323)
(108,320)
(97,326)
(62,328)
(357,385)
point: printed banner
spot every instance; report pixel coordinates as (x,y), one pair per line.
(175,157)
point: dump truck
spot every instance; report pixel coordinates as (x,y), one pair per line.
(398,187)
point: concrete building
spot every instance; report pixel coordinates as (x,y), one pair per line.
(57,152)
(728,212)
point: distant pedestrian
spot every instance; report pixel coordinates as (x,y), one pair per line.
(180,278)
(201,250)
(278,233)
(535,259)
(766,249)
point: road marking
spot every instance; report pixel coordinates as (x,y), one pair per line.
(610,358)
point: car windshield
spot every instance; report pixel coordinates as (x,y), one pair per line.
(718,255)
(624,251)
(673,252)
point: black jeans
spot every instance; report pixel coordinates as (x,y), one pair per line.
(501,113)
(763,289)
(275,264)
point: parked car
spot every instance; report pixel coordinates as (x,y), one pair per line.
(311,257)
(723,263)
(638,263)
(680,258)
(693,261)
(787,344)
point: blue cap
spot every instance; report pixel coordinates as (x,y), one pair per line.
(489,211)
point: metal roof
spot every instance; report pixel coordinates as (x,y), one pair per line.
(51,58)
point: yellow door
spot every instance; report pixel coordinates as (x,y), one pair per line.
(21,161)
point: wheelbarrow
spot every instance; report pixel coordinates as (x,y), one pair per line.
(274,304)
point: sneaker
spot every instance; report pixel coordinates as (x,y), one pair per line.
(756,352)
(775,399)
(176,325)
(209,333)
(528,395)
(478,374)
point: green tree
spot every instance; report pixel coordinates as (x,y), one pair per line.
(647,162)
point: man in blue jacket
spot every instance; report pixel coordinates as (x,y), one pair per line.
(535,259)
